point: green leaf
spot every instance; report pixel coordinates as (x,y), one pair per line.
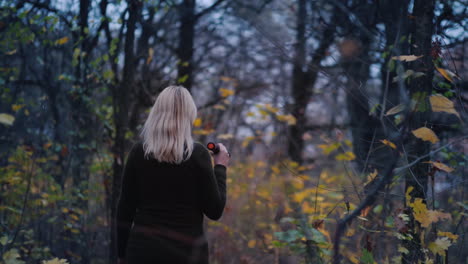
(4,240)
(377,209)
(367,257)
(318,237)
(108,75)
(288,236)
(12,257)
(182,79)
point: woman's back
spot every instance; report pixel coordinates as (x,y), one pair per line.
(166,203)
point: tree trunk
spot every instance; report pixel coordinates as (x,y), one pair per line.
(420,89)
(300,90)
(186,41)
(121,105)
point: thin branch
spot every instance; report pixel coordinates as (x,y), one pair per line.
(400,169)
(208,9)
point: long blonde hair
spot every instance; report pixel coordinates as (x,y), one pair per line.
(167,132)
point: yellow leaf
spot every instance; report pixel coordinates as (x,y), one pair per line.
(55,261)
(300,196)
(290,119)
(348,156)
(203,131)
(307,209)
(327,149)
(219,107)
(406,57)
(263,113)
(270,108)
(447,74)
(61,41)
(150,56)
(197,122)
(17,107)
(449,235)
(65,210)
(225,92)
(388,143)
(298,183)
(440,103)
(226,79)
(440,166)
(225,136)
(395,110)
(7,119)
(424,216)
(75,217)
(246,141)
(371,176)
(250,114)
(440,245)
(11,52)
(275,169)
(407,195)
(425,134)
(251,243)
(353,258)
(403,250)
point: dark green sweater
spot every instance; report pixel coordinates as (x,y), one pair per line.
(166,203)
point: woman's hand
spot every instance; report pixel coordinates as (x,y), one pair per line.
(222,157)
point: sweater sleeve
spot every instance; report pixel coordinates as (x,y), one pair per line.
(127,203)
(213,185)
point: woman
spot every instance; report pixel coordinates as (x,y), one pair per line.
(169,183)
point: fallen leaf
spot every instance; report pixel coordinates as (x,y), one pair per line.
(440,103)
(406,57)
(425,134)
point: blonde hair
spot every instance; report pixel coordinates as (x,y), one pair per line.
(167,132)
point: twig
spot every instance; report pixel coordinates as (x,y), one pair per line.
(400,169)
(25,200)
(369,200)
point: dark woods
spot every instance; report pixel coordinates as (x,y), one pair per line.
(346,121)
